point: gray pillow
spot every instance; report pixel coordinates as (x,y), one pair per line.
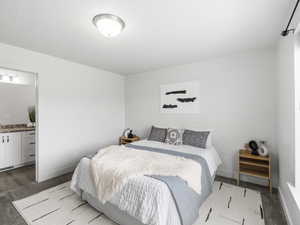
(157,134)
(195,138)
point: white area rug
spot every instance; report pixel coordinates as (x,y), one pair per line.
(227,205)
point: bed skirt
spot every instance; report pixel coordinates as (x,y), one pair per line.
(111,211)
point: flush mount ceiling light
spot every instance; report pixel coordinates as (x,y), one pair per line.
(109,25)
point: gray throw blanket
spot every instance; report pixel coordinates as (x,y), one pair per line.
(186,199)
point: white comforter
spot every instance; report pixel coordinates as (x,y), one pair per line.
(114,165)
(144,198)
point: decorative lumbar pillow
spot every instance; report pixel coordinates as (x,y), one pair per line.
(157,134)
(195,138)
(174,136)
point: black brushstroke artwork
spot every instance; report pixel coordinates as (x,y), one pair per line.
(170,106)
(183,100)
(176,92)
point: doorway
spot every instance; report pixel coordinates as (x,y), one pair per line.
(18,122)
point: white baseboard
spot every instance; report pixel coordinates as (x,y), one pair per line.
(285,209)
(17,166)
(56,173)
(225,173)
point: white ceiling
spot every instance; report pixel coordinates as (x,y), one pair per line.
(158,33)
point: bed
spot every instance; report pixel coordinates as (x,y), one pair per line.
(153,200)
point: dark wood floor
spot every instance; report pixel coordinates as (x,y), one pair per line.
(19,183)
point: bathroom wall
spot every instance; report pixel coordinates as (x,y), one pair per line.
(15,100)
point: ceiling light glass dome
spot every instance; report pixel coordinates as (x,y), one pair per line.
(109,25)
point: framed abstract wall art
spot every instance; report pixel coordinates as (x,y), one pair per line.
(180,98)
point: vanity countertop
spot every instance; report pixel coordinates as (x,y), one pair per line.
(16,128)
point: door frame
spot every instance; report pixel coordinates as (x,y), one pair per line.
(36,86)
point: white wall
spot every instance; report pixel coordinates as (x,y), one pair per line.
(297,104)
(15,100)
(80,108)
(286,114)
(237,97)
(286,120)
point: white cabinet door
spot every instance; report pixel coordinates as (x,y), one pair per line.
(10,150)
(13,148)
(3,161)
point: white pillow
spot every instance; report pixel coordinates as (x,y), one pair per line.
(209,140)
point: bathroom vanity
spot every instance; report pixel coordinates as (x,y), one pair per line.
(17,147)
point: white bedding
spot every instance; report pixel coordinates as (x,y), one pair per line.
(109,178)
(146,199)
(209,154)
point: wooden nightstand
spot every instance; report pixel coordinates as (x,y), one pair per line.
(124,140)
(254,165)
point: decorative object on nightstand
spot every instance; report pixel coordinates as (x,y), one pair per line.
(126,140)
(254,147)
(263,150)
(130,135)
(126,132)
(253,165)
